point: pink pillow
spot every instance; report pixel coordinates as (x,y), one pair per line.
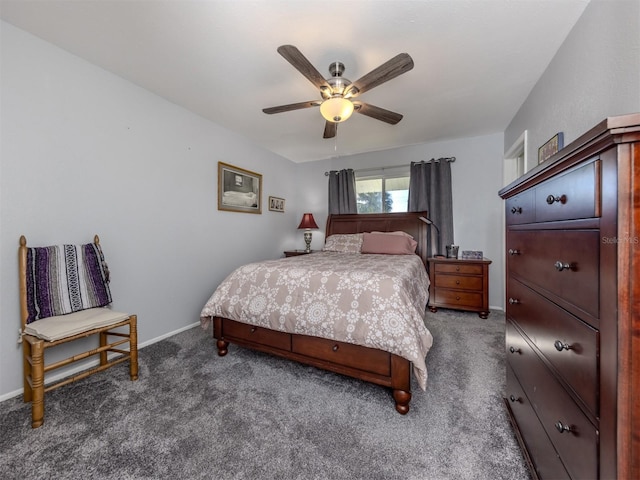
(397,232)
(388,244)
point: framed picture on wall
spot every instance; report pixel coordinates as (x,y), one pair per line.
(276,204)
(239,190)
(553,146)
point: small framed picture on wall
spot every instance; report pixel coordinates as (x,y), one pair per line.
(276,204)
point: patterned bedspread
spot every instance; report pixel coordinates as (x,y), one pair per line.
(373,300)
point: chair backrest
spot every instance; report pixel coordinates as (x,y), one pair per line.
(61,279)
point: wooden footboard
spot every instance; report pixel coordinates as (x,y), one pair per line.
(368,364)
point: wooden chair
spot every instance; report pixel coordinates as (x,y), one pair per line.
(64,293)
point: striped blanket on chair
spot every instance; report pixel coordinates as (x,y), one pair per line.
(64,279)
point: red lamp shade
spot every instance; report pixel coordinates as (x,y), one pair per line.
(308,221)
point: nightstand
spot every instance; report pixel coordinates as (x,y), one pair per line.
(295,253)
(459,284)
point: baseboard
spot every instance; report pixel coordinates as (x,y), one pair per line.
(93,363)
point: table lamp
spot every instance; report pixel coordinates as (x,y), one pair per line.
(307,224)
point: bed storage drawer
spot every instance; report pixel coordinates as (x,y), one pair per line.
(570,431)
(375,361)
(253,333)
(569,344)
(564,263)
(543,455)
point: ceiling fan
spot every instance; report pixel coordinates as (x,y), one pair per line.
(337,91)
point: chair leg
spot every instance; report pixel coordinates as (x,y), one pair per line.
(37,383)
(103,342)
(26,370)
(133,347)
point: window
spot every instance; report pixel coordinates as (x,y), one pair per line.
(383,190)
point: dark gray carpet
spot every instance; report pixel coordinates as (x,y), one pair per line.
(248,415)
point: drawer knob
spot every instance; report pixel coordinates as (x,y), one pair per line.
(253,329)
(560,266)
(561,346)
(562,427)
(335,348)
(515,210)
(514,399)
(514,301)
(457,282)
(457,297)
(514,350)
(514,251)
(551,199)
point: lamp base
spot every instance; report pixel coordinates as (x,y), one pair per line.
(307,240)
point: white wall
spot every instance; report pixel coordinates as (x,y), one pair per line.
(86,152)
(476,179)
(595,74)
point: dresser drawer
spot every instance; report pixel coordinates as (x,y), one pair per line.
(252,333)
(578,446)
(569,344)
(375,361)
(453,267)
(459,281)
(570,196)
(563,262)
(545,458)
(520,209)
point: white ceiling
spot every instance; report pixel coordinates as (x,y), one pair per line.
(475,60)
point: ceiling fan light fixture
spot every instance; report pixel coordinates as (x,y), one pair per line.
(336,109)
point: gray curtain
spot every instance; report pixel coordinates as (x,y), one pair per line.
(342,192)
(430,191)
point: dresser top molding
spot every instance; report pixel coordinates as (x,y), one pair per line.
(611,131)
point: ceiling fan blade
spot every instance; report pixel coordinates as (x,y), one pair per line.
(398,65)
(377,112)
(295,57)
(291,106)
(330,130)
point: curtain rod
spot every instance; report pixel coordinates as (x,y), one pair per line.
(446,159)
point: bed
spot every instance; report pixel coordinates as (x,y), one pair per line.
(367,322)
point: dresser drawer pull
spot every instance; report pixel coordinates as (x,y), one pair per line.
(561,199)
(514,350)
(335,348)
(516,210)
(514,252)
(457,282)
(562,427)
(514,399)
(253,329)
(562,346)
(560,266)
(514,301)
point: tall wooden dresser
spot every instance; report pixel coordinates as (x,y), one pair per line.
(573,306)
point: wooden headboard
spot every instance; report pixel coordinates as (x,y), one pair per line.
(382,222)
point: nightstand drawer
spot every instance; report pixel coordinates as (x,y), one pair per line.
(454,298)
(452,267)
(459,281)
